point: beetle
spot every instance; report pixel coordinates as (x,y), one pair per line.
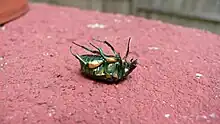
(107,68)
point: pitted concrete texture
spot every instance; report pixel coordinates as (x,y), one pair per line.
(177,80)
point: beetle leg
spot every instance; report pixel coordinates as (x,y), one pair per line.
(108,59)
(100,50)
(102,54)
(107,43)
(126,55)
(77,56)
(94,46)
(93,51)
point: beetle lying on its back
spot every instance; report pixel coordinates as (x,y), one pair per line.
(109,68)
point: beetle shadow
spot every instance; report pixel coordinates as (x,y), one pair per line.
(100,81)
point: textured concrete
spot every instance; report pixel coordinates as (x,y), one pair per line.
(177,79)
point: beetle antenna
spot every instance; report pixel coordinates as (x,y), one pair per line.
(126,55)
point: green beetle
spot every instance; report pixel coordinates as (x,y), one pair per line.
(107,68)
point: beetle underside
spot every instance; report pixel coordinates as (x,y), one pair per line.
(102,67)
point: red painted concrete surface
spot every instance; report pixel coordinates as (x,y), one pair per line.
(176,82)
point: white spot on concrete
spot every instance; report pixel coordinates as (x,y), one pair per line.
(1,58)
(49,37)
(45,54)
(70,113)
(198,34)
(198,75)
(176,51)
(51,111)
(128,20)
(3,28)
(171,105)
(201,117)
(167,115)
(153,48)
(50,114)
(213,115)
(96,25)
(117,21)
(164,102)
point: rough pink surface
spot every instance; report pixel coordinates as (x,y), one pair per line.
(40,80)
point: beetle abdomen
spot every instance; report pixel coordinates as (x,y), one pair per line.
(93,65)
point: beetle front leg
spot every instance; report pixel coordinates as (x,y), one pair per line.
(126,55)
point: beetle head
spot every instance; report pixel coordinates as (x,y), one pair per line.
(129,66)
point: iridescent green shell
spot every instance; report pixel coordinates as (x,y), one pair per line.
(104,67)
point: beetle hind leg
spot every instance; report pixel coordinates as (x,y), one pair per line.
(77,56)
(93,51)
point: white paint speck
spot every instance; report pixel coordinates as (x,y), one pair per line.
(49,37)
(96,25)
(203,116)
(153,48)
(197,34)
(176,51)
(45,54)
(128,20)
(213,115)
(3,28)
(198,75)
(50,114)
(164,102)
(51,111)
(117,21)
(167,115)
(171,105)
